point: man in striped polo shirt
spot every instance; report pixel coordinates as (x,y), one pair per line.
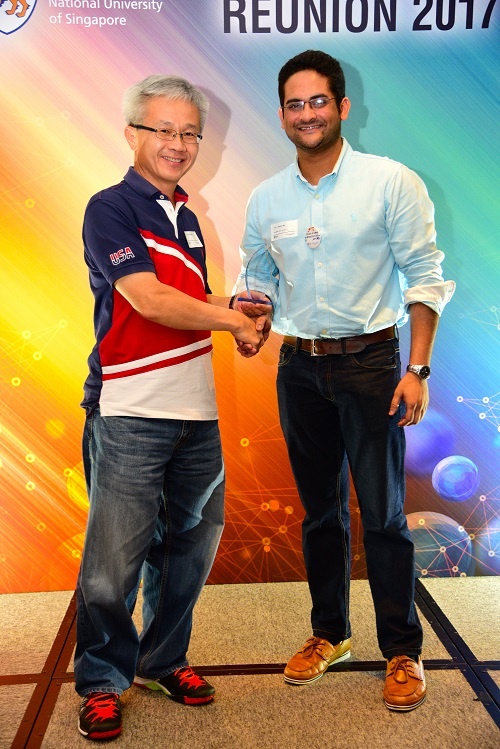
(152,452)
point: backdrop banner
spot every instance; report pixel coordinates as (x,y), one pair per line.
(422,77)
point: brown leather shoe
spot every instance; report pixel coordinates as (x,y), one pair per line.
(314,658)
(404,683)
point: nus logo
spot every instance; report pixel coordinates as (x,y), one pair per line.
(122,255)
(14,14)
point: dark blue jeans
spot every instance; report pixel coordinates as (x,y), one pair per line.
(334,414)
(156,489)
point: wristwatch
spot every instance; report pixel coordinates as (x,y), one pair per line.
(421,370)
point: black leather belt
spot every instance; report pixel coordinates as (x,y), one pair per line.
(353,345)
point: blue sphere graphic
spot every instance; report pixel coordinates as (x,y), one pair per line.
(486,546)
(455,478)
(442,546)
(428,442)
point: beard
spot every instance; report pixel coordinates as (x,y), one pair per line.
(324,140)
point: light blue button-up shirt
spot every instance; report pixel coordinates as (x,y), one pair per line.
(376,255)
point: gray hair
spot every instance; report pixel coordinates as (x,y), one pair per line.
(137,96)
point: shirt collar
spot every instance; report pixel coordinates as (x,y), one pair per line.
(149,191)
(346,148)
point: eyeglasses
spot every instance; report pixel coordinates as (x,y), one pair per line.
(166,134)
(317,102)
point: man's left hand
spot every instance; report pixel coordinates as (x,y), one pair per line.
(414,393)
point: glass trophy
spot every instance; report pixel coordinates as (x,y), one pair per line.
(260,267)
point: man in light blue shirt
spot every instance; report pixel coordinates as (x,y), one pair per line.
(343,245)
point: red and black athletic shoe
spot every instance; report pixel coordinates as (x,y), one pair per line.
(100,716)
(183,685)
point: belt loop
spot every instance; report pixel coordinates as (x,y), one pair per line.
(343,346)
(298,341)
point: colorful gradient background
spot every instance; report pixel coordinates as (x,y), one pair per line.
(429,99)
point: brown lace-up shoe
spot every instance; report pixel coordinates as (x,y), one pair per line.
(404,683)
(314,658)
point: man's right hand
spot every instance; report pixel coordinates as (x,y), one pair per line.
(261,314)
(249,334)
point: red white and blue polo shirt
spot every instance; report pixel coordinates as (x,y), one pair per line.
(138,367)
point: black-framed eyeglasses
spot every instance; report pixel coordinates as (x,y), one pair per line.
(167,134)
(317,102)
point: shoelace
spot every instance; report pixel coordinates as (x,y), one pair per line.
(313,643)
(407,666)
(187,674)
(102,705)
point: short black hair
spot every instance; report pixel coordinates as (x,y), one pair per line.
(321,63)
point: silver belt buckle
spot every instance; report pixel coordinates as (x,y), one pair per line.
(313,348)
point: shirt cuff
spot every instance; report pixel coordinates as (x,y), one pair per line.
(270,292)
(436,295)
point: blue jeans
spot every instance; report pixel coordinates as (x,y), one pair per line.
(334,414)
(156,489)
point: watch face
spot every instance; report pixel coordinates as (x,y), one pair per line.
(422,371)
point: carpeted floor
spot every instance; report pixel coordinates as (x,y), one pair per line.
(242,636)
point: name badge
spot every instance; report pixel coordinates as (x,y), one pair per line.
(313,237)
(284,229)
(192,239)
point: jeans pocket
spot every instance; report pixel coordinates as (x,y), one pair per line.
(384,355)
(286,353)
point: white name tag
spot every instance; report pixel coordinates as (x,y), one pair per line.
(284,229)
(193,239)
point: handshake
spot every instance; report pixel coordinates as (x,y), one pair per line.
(254,323)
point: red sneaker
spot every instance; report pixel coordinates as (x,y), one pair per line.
(100,716)
(183,685)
